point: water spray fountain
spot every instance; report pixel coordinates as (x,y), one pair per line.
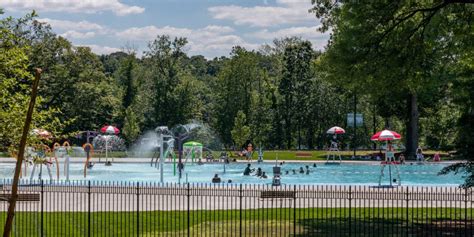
(164,138)
(39,159)
(63,152)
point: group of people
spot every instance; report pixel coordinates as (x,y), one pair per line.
(259,173)
(301,170)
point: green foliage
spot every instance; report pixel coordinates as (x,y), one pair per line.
(15,81)
(240,132)
(235,88)
(392,50)
(168,84)
(131,128)
(294,88)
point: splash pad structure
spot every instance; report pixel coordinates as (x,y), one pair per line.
(165,145)
(192,150)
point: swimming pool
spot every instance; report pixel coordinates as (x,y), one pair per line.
(352,174)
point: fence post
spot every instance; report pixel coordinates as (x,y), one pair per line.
(240,211)
(189,212)
(465,210)
(350,210)
(89,208)
(42,208)
(138,209)
(407,207)
(294,211)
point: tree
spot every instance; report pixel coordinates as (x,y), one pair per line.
(240,132)
(235,87)
(294,88)
(131,128)
(15,82)
(169,86)
(393,48)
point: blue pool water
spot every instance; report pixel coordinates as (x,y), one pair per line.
(353,174)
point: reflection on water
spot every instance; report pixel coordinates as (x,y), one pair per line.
(356,174)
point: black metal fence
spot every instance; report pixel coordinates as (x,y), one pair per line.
(89,208)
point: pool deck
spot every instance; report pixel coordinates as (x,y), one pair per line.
(222,197)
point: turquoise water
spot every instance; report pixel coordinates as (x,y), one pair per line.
(353,174)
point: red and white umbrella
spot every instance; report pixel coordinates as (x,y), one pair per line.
(110,129)
(336,130)
(385,135)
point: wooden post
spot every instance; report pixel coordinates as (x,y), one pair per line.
(21,153)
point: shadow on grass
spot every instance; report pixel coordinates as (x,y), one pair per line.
(384,227)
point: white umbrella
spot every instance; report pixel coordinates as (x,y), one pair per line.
(336,130)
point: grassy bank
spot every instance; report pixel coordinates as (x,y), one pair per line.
(262,222)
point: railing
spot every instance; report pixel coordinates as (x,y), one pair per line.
(94,208)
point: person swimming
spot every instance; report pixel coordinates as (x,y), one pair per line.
(247,170)
(216,179)
(294,171)
(301,170)
(264,176)
(259,172)
(287,171)
(314,165)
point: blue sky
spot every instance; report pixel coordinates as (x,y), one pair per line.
(211,26)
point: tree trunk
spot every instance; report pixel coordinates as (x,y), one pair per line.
(21,152)
(412,126)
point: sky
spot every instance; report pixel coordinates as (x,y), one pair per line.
(212,27)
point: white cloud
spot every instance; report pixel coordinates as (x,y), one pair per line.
(72,6)
(150,32)
(221,29)
(286,12)
(67,25)
(72,34)
(318,39)
(211,40)
(101,49)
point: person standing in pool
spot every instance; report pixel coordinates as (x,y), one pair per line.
(259,172)
(247,170)
(301,170)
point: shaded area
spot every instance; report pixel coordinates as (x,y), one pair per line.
(385,227)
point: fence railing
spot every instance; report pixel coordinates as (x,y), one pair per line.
(95,208)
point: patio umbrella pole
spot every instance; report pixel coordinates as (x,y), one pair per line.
(21,154)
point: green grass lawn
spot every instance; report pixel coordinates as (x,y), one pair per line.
(262,222)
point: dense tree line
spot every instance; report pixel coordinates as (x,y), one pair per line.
(283,96)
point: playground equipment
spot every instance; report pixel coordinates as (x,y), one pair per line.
(106,143)
(192,150)
(39,158)
(111,133)
(333,150)
(63,152)
(89,149)
(165,143)
(388,136)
